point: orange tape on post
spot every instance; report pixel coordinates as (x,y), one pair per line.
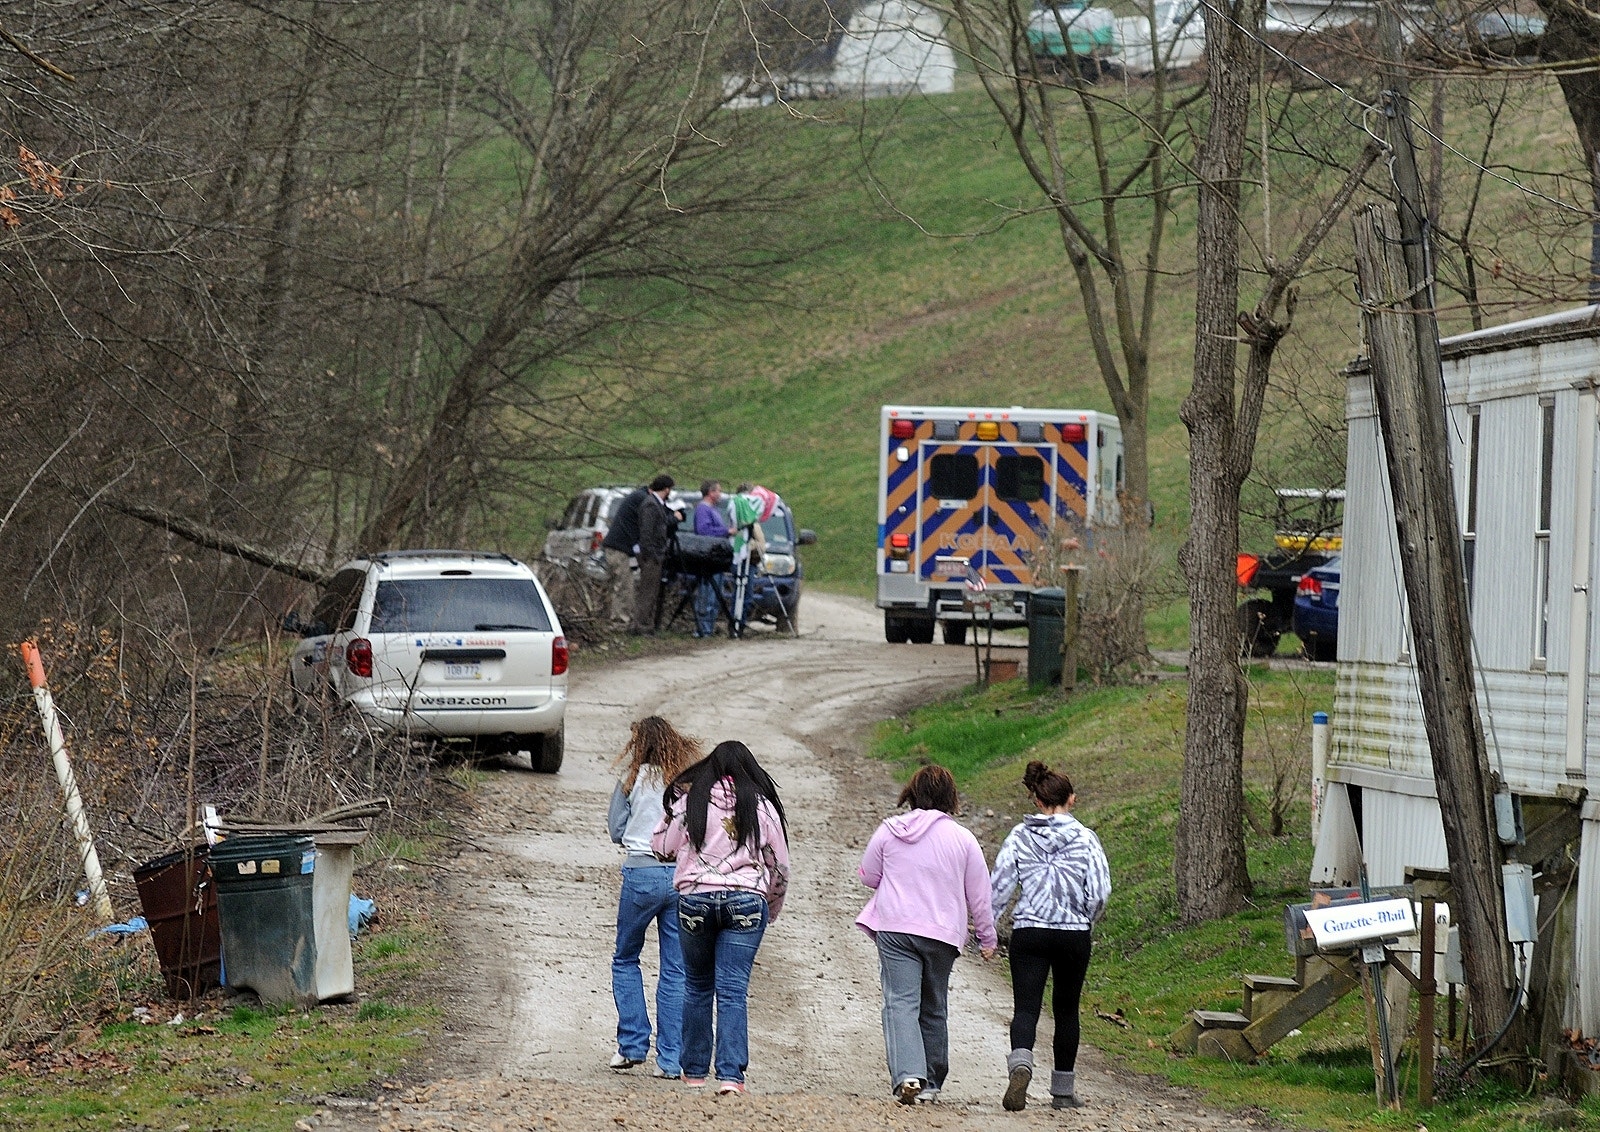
(32,661)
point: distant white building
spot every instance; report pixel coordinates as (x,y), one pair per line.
(843,49)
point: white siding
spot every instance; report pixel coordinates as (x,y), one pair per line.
(1372,628)
(1584,1005)
(1400,831)
(1377,712)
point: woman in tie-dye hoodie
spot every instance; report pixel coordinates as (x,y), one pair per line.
(1055,869)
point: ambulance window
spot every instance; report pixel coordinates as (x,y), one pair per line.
(953,477)
(1020,478)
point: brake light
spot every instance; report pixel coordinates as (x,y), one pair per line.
(558,656)
(902,430)
(1245,569)
(595,540)
(1309,587)
(1074,433)
(358,657)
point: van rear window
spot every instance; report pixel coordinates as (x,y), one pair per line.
(953,476)
(458,605)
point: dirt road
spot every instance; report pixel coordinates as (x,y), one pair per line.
(536,914)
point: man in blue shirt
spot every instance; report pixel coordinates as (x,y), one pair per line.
(708,520)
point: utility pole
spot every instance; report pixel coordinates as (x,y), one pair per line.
(1393,276)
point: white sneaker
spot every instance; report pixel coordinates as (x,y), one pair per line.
(620,1060)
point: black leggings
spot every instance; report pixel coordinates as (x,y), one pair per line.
(1035,952)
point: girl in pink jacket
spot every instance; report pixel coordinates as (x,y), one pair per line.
(726,829)
(930,880)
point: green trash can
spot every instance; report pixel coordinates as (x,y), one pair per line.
(1047,624)
(265,902)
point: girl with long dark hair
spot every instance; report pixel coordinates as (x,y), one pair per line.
(725,827)
(1055,869)
(656,754)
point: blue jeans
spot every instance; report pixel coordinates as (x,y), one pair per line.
(705,606)
(720,932)
(647,894)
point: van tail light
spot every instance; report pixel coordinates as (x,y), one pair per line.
(595,540)
(1245,569)
(558,656)
(1309,587)
(899,546)
(358,657)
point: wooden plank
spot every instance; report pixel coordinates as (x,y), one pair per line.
(1225,1045)
(1220,1019)
(1270,982)
(1549,839)
(1273,1026)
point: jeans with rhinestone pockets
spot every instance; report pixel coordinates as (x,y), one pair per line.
(719,933)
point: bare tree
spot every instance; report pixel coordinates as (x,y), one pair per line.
(1222,414)
(1106,159)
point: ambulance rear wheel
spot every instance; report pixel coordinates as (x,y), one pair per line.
(955,632)
(895,630)
(921,632)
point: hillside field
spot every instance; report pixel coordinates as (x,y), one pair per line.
(925,287)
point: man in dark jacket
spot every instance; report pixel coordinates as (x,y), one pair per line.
(655,535)
(620,545)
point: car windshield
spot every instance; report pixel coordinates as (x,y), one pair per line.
(458,605)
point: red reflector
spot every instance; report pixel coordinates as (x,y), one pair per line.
(595,540)
(1073,433)
(902,430)
(558,656)
(900,542)
(1309,587)
(358,657)
(1245,569)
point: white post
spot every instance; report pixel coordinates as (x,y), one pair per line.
(1319,771)
(1578,618)
(69,784)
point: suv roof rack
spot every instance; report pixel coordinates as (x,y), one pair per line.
(387,555)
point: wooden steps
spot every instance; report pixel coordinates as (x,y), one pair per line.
(1273,1008)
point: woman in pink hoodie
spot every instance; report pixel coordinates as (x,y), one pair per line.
(930,879)
(726,829)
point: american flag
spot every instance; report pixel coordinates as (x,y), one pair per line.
(975,582)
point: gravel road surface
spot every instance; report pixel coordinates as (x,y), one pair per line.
(534,915)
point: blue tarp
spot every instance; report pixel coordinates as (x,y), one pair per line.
(361,913)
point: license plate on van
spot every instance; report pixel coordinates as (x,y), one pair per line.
(463,670)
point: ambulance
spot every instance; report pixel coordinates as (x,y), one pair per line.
(971,500)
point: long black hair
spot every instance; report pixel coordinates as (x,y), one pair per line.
(751,784)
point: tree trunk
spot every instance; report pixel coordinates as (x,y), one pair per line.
(1210,868)
(1571,42)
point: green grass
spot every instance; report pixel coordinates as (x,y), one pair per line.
(1122,748)
(246,1067)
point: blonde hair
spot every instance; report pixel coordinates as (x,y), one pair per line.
(655,742)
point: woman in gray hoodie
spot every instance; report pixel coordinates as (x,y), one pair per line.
(1055,869)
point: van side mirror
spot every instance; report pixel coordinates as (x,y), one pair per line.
(807,537)
(292,624)
(552,523)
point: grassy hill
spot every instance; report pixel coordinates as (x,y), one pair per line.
(988,313)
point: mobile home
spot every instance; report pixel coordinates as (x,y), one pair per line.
(1521,402)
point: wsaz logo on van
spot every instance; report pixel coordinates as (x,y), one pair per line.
(460,701)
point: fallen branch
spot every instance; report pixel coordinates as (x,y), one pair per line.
(213,539)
